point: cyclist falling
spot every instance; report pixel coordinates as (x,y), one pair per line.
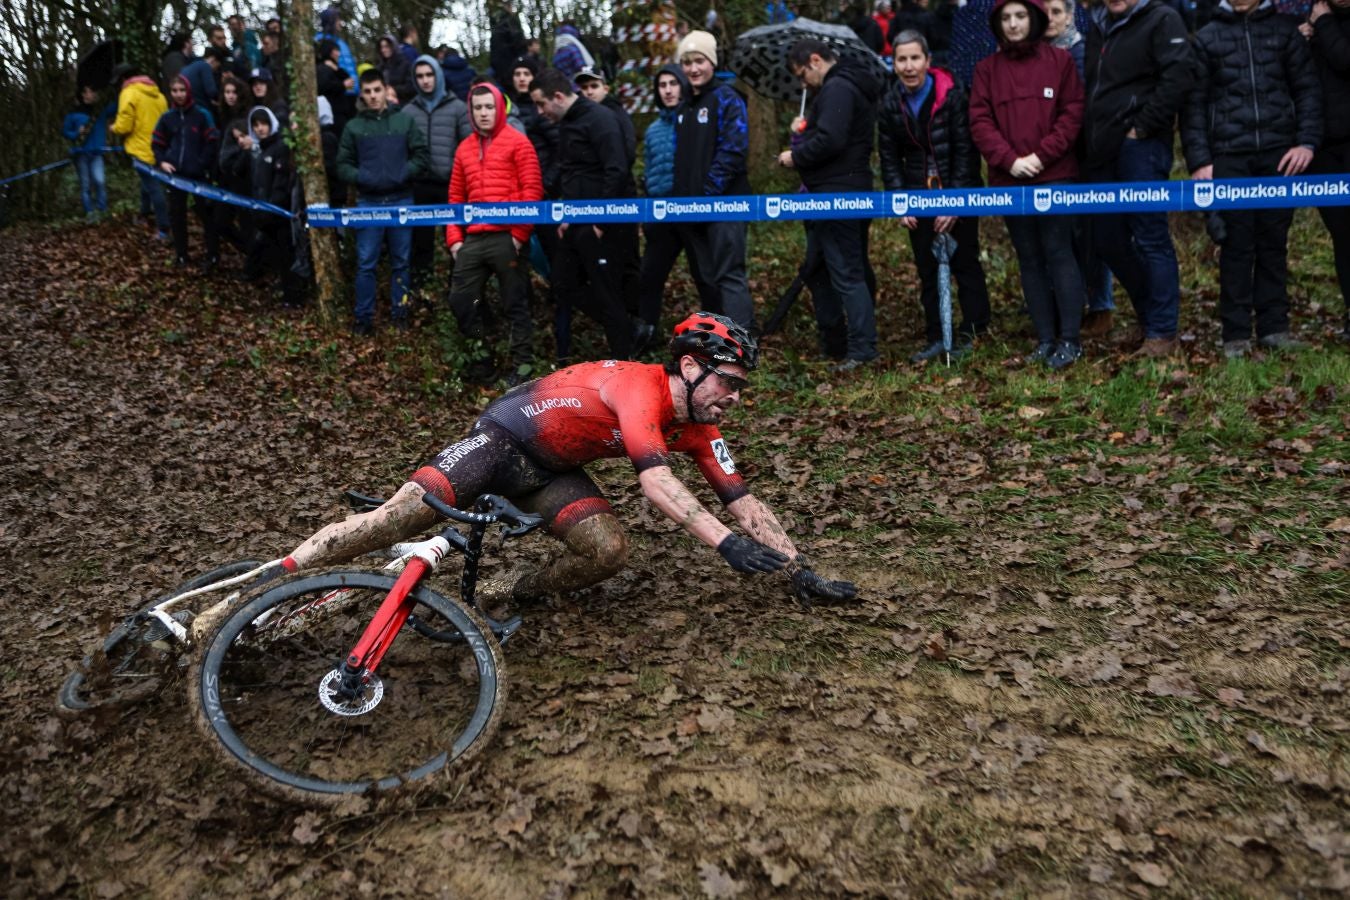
(530,445)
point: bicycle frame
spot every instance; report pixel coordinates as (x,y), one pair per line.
(423,558)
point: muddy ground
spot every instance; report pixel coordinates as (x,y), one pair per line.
(990,721)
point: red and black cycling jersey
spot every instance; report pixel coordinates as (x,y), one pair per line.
(610,409)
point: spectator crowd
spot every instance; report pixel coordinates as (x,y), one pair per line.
(1047,93)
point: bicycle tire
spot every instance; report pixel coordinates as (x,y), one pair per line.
(255,690)
(122,669)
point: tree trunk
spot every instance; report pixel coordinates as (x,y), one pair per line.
(309,152)
(765,139)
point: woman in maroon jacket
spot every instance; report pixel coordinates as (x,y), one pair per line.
(1026,106)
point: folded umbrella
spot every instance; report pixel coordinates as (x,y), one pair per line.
(944,245)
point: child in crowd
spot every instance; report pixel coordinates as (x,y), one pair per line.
(185,144)
(86,127)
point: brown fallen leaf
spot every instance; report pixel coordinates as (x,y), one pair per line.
(715,718)
(1029,413)
(716,883)
(306,829)
(1150,873)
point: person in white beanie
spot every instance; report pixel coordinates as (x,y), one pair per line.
(712,139)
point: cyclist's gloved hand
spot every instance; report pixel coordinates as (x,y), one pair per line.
(745,555)
(810,588)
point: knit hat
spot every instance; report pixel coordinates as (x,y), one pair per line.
(526,62)
(698,42)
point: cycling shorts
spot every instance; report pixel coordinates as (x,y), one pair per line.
(492,461)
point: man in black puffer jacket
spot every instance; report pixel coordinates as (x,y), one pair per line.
(835,155)
(1138,66)
(923,138)
(1329,28)
(1255,111)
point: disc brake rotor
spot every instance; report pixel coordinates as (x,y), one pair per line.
(330,695)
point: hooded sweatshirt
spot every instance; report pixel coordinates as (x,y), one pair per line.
(398,72)
(836,149)
(186,137)
(1026,98)
(494,168)
(271,172)
(139,106)
(436,114)
(658,143)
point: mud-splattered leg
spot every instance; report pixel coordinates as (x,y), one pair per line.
(402,516)
(593,550)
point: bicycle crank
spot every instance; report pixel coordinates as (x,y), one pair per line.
(338,700)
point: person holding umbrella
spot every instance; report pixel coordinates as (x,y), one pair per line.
(923,138)
(835,155)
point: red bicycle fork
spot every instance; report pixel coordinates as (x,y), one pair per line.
(390,617)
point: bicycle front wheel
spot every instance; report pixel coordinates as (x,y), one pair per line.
(263,688)
(131,662)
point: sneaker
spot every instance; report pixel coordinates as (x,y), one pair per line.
(1283,340)
(1157,348)
(932,351)
(1237,349)
(1066,354)
(363,329)
(851,365)
(1097,323)
(1041,353)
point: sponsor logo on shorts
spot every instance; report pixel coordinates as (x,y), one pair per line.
(447,458)
(723,456)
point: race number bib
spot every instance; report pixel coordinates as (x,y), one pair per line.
(723,456)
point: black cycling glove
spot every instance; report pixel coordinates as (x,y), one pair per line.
(749,556)
(809,588)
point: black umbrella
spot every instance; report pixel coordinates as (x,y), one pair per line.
(759,57)
(95,68)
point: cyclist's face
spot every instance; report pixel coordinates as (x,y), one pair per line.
(718,392)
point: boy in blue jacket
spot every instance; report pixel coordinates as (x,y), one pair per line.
(185,143)
(87,130)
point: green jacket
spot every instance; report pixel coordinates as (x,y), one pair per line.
(381,153)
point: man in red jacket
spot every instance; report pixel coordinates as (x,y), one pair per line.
(495,164)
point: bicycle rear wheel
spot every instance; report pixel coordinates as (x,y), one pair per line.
(261,689)
(131,662)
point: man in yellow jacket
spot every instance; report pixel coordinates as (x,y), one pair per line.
(139,106)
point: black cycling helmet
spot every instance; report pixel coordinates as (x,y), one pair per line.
(714,338)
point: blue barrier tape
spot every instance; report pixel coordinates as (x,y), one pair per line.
(210,192)
(1157,196)
(51,166)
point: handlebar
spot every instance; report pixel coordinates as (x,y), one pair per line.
(490,509)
